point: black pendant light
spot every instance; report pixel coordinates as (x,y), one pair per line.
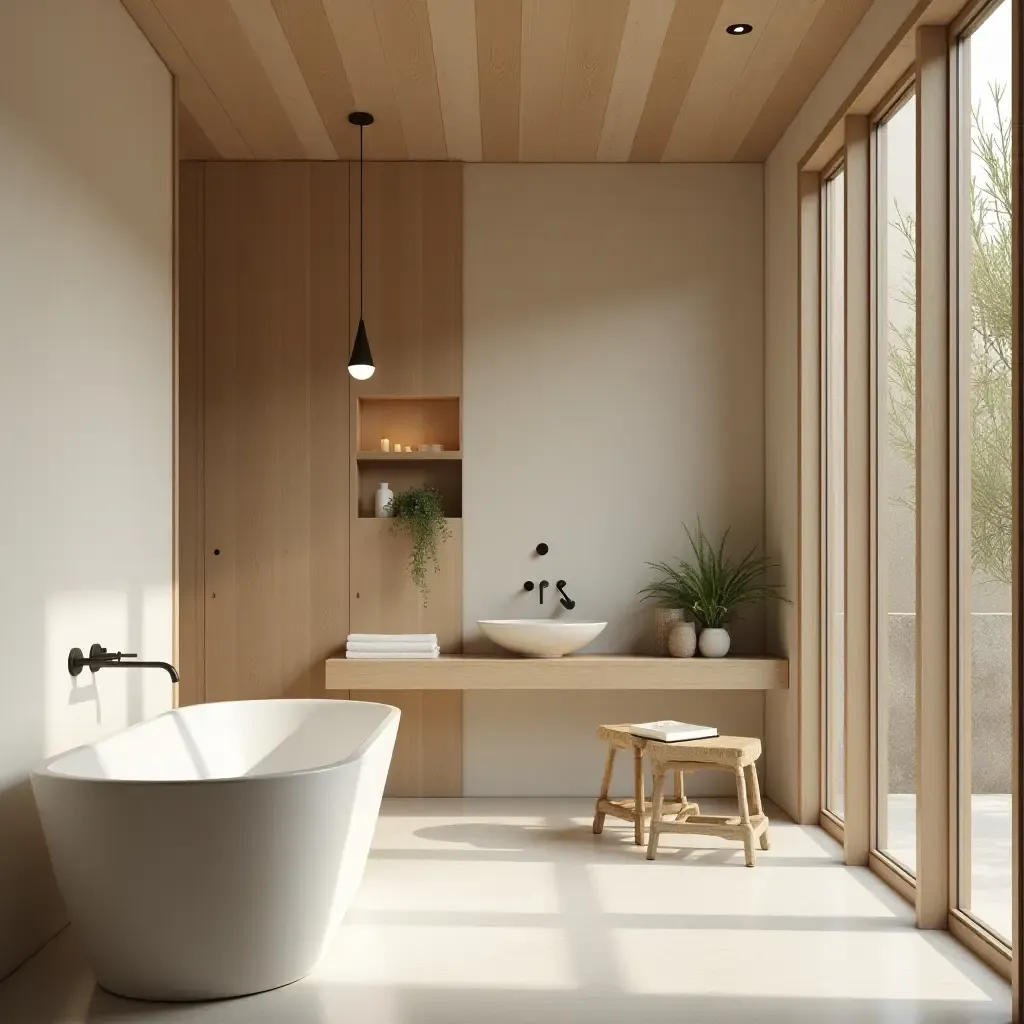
(360,364)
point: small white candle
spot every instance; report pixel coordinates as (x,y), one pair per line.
(385,444)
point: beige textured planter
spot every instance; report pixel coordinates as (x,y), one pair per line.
(665,620)
(682,640)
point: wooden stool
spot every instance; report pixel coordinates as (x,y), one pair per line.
(735,754)
(618,737)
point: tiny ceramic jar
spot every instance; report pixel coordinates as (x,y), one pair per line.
(682,640)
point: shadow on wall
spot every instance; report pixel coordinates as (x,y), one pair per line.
(990,689)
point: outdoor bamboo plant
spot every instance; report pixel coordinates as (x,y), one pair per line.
(419,512)
(713,586)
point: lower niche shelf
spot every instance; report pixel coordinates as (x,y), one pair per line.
(445,476)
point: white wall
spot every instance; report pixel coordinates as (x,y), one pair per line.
(876,28)
(613,390)
(85,403)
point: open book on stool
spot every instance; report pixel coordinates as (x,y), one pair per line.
(670,731)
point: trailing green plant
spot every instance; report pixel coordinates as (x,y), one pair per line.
(713,586)
(419,512)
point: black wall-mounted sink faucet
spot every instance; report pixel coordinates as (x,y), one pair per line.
(567,603)
(542,585)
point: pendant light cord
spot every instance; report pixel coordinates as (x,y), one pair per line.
(360,222)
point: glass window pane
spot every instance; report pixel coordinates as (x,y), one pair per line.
(833,291)
(895,282)
(985,470)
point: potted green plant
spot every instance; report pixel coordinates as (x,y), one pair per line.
(712,587)
(419,512)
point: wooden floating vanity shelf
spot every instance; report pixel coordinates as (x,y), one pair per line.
(575,672)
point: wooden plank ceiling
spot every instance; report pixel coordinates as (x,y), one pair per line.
(498,80)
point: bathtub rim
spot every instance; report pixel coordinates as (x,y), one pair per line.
(45,769)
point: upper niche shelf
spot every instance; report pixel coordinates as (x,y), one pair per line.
(407,456)
(408,422)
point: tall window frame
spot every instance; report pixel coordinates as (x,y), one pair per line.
(892,284)
(972,916)
(832,475)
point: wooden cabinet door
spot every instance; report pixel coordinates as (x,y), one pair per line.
(276,426)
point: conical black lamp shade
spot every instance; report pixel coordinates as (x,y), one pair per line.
(360,365)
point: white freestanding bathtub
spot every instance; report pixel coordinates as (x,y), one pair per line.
(213,850)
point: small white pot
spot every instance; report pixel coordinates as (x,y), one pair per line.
(714,643)
(682,640)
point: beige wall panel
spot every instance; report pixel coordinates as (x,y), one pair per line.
(575,274)
(87,177)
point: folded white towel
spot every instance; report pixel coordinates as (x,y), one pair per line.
(393,638)
(405,647)
(386,655)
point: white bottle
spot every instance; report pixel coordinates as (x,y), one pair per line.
(381,500)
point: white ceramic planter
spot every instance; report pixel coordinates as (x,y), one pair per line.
(682,640)
(714,643)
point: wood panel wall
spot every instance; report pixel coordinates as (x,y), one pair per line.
(272,550)
(268,425)
(412,303)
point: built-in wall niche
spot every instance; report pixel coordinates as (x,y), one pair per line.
(444,475)
(409,422)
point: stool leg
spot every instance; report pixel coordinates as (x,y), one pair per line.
(755,794)
(638,796)
(745,826)
(685,807)
(656,801)
(606,782)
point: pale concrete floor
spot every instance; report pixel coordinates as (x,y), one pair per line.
(991,853)
(512,912)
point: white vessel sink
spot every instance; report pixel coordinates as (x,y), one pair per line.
(540,638)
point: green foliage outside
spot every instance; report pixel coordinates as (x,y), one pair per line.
(989,358)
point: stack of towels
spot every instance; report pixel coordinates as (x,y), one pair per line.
(392,645)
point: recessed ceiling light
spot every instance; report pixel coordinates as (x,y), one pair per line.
(739,30)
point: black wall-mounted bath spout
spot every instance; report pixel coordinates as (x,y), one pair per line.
(566,602)
(543,584)
(100,658)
